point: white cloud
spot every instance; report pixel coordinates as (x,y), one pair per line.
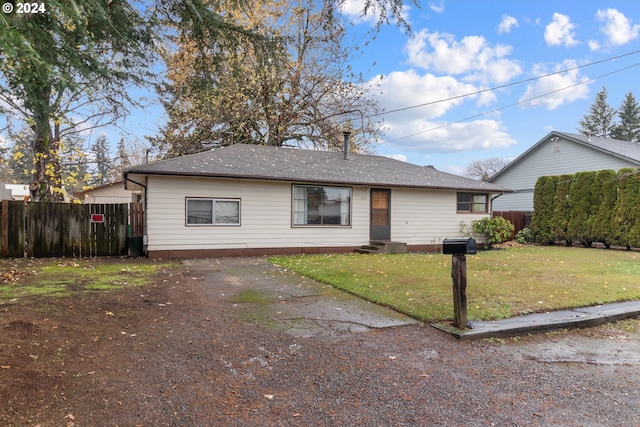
(617,27)
(400,157)
(472,56)
(552,91)
(594,46)
(353,9)
(560,31)
(427,136)
(437,8)
(407,88)
(506,24)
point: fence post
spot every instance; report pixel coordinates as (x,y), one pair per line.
(5,228)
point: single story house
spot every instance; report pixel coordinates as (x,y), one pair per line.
(556,154)
(113,192)
(256,200)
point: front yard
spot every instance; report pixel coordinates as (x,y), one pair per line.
(500,283)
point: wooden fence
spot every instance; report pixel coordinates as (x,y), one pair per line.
(38,229)
(519,219)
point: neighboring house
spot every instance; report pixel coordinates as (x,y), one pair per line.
(256,200)
(15,191)
(556,154)
(108,193)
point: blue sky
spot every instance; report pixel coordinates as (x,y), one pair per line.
(461,47)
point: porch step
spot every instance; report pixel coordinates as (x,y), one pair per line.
(383,247)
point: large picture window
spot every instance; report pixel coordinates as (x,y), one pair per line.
(213,211)
(321,205)
(472,203)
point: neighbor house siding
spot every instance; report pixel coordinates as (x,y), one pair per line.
(265,210)
(549,158)
(108,194)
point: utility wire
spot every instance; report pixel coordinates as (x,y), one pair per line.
(505,85)
(511,105)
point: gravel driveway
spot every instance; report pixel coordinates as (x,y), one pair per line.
(238,342)
(306,354)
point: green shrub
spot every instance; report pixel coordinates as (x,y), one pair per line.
(524,236)
(581,208)
(496,229)
(543,206)
(561,210)
(603,197)
(623,216)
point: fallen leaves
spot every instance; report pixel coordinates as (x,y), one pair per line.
(14,274)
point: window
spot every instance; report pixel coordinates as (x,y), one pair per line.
(472,203)
(213,212)
(321,205)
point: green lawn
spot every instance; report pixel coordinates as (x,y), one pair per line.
(63,277)
(500,283)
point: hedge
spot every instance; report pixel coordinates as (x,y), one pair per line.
(601,206)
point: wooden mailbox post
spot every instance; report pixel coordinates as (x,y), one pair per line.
(459,248)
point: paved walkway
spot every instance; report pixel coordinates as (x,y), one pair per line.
(539,322)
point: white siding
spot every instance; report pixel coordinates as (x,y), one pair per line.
(549,158)
(426,217)
(109,194)
(265,210)
(417,216)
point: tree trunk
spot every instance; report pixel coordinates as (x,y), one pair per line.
(45,148)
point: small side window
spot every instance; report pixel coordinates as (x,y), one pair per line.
(212,211)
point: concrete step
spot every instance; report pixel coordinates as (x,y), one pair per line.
(383,247)
(367,251)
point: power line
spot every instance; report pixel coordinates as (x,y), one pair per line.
(505,85)
(511,105)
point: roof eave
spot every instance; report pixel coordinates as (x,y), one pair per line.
(317,181)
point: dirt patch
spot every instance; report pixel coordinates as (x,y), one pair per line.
(182,351)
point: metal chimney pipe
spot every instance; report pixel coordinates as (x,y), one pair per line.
(347,147)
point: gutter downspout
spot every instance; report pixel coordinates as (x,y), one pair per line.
(126,178)
(492,199)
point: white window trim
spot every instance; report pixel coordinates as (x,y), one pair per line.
(213,200)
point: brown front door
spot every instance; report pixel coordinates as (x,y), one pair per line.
(380,214)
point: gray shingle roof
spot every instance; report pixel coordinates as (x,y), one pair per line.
(622,149)
(290,164)
(625,149)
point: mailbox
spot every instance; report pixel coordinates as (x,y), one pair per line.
(459,246)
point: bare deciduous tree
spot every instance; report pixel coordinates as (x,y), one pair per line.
(485,169)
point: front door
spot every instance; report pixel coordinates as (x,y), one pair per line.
(380,214)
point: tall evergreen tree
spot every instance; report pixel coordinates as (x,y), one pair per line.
(20,156)
(73,56)
(74,164)
(600,121)
(103,162)
(629,114)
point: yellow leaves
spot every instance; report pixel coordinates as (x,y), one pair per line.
(17,156)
